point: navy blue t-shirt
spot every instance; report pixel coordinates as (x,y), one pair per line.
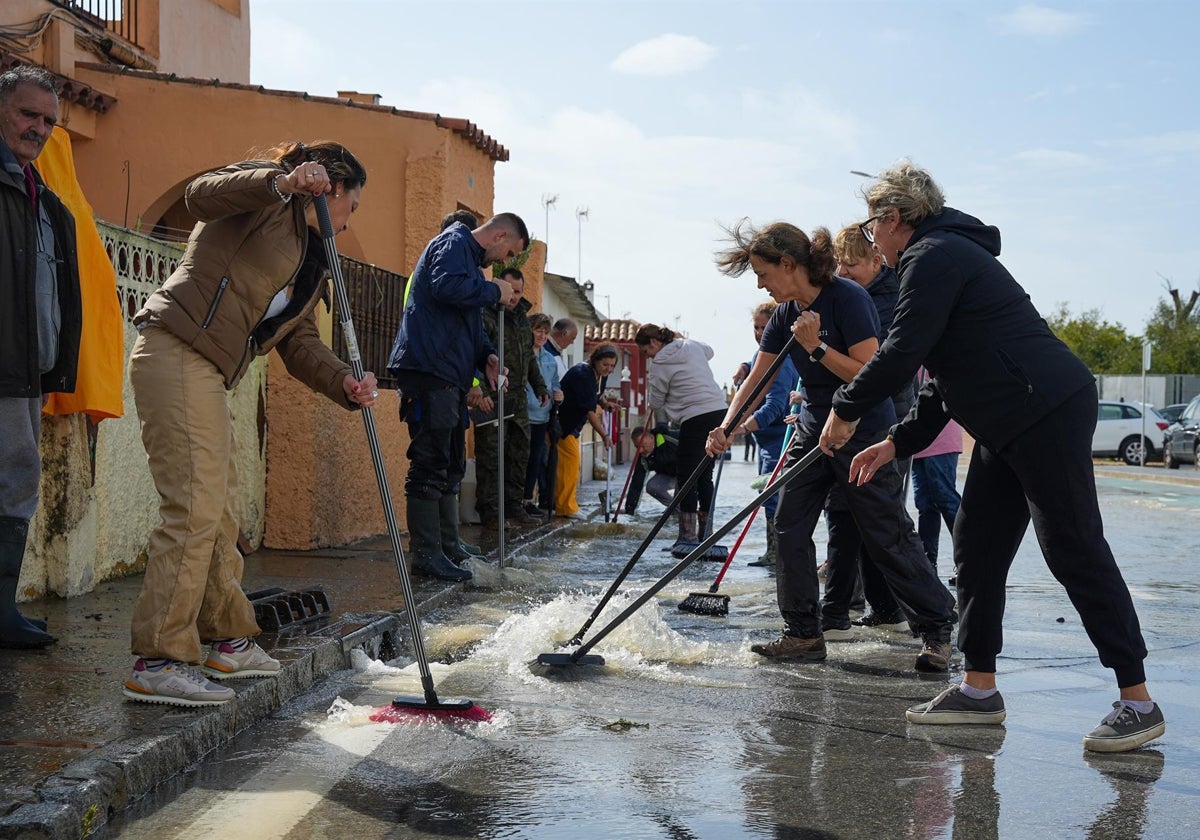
(847,317)
(580,396)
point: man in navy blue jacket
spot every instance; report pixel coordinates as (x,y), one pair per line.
(439,348)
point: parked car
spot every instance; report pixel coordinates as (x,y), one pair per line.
(1119,431)
(1171,412)
(1181,441)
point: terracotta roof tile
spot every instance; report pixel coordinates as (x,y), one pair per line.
(465,128)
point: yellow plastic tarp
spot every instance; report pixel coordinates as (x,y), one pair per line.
(98,388)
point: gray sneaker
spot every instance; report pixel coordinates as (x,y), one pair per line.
(953,707)
(224,663)
(174,684)
(1124,729)
(839,633)
(792,647)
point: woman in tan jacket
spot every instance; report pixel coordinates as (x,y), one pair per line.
(250,280)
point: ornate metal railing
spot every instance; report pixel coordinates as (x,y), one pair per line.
(376,295)
(143,263)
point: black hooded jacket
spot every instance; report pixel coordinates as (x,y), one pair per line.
(997,368)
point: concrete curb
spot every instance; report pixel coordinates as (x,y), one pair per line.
(89,792)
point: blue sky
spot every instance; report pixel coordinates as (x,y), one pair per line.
(1073,127)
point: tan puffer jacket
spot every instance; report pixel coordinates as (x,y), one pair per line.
(247,247)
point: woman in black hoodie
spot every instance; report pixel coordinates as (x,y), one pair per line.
(1029,402)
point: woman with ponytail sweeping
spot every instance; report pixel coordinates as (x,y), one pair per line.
(249,282)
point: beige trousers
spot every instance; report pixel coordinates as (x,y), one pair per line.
(192,593)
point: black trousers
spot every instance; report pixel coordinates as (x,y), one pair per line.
(693,435)
(435,412)
(886,530)
(850,561)
(1045,477)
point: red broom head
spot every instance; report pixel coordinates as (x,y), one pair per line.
(410,714)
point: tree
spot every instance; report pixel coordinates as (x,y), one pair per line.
(1174,330)
(1104,347)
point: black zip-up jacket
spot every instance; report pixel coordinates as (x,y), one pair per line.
(19,375)
(997,368)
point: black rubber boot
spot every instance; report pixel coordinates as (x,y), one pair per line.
(16,631)
(425,542)
(768,557)
(452,545)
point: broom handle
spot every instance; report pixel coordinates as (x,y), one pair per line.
(699,551)
(637,455)
(787,436)
(680,492)
(385,495)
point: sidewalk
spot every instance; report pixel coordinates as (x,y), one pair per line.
(74,751)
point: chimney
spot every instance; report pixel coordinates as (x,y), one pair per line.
(360,98)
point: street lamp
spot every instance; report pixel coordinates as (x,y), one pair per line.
(547,202)
(581,213)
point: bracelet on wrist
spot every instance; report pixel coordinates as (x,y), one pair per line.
(274,184)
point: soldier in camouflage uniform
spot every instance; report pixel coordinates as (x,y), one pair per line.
(522,366)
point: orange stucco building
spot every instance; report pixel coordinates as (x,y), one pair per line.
(161,94)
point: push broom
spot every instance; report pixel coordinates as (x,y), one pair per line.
(580,655)
(402,707)
(710,602)
(680,492)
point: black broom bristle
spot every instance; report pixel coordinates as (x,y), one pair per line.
(705,603)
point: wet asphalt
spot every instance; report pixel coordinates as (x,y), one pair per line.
(684,733)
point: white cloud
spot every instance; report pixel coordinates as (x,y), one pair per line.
(1040,21)
(666,55)
(1054,158)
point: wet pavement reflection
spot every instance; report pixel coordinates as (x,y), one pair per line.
(684,733)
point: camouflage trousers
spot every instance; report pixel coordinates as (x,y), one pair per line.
(516,459)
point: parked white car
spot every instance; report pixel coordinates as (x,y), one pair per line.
(1119,432)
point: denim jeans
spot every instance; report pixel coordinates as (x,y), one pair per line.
(936,498)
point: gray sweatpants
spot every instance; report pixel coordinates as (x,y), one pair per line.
(20,456)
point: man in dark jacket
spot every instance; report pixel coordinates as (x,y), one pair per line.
(40,322)
(659,449)
(439,348)
(523,368)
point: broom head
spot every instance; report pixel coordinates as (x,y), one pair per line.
(705,603)
(408,709)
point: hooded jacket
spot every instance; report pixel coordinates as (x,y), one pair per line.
(681,381)
(247,247)
(997,368)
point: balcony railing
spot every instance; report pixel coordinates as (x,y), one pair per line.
(376,305)
(117,16)
(376,296)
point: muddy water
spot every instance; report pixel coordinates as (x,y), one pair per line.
(685,733)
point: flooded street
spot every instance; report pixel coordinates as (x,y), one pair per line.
(685,733)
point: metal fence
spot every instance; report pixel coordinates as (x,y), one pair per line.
(117,16)
(143,263)
(376,306)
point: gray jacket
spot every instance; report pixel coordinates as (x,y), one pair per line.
(682,383)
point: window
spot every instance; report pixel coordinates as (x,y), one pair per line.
(1110,412)
(1130,413)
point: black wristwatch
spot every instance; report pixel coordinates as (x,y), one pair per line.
(818,352)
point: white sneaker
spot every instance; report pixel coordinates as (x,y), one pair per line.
(174,684)
(225,663)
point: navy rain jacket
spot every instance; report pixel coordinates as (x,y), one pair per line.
(441,332)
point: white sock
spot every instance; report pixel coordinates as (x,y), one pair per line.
(976,693)
(1142,707)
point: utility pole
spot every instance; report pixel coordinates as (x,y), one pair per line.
(581,213)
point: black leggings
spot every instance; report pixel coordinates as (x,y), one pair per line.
(693,435)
